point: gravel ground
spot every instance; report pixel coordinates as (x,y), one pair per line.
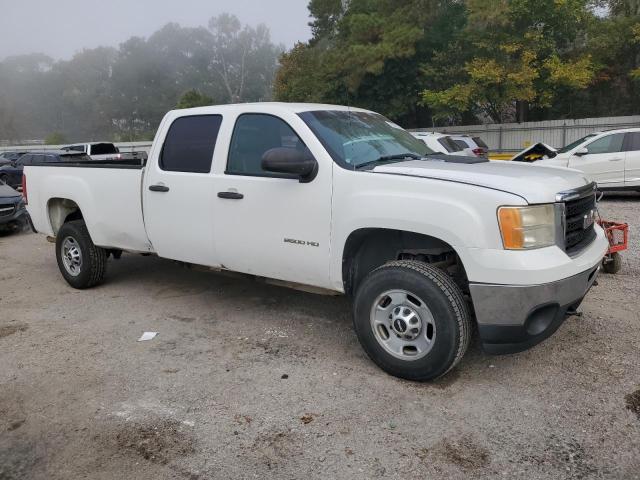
(247,380)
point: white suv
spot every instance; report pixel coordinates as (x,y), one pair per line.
(441,143)
(611,158)
(471,145)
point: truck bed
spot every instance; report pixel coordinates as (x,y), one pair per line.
(109,192)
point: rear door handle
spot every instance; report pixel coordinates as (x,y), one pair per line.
(231,195)
(159,188)
(616,159)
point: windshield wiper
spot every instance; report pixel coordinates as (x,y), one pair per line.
(389,158)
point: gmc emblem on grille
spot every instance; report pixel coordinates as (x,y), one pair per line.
(588,219)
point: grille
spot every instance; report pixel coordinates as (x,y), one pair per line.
(6,210)
(577,211)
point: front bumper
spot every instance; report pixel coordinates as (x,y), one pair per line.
(14,218)
(513,318)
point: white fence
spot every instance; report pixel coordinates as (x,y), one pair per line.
(556,133)
(503,137)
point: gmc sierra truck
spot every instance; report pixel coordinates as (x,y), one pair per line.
(343,201)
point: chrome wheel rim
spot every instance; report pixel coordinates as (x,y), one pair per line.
(71,256)
(403,324)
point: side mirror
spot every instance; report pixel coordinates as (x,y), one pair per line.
(291,161)
(581,151)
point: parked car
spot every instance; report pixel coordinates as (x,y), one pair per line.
(339,200)
(9,157)
(12,174)
(103,151)
(611,158)
(471,145)
(12,208)
(441,143)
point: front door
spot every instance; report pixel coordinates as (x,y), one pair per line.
(271,225)
(604,160)
(179,189)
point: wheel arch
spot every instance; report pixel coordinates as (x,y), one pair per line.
(61,211)
(368,248)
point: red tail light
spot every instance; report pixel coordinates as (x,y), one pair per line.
(479,152)
(24,189)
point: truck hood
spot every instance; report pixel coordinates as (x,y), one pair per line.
(536,184)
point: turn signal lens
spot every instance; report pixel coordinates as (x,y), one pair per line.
(527,227)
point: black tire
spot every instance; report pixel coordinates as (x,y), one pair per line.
(613,264)
(443,298)
(94,259)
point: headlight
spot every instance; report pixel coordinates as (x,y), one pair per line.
(527,227)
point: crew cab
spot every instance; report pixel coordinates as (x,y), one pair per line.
(610,158)
(340,200)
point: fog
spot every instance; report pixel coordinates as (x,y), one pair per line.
(61,28)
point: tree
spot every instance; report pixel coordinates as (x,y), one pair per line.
(122,94)
(193,98)
(55,138)
(369,53)
(519,53)
(243,58)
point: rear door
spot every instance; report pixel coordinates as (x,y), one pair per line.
(179,190)
(604,161)
(632,159)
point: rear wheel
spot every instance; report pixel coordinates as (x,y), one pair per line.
(81,263)
(412,320)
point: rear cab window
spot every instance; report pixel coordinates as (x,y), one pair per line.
(103,149)
(190,143)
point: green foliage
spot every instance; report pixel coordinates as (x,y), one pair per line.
(463,61)
(122,94)
(193,98)
(55,138)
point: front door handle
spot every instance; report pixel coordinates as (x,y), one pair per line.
(159,188)
(231,195)
(616,159)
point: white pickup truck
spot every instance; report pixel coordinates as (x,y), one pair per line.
(101,151)
(341,200)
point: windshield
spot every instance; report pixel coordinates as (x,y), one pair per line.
(358,138)
(573,145)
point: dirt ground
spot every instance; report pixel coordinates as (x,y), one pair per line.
(247,380)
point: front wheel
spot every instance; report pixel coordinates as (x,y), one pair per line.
(412,320)
(81,263)
(612,263)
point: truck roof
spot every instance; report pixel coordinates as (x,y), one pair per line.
(265,106)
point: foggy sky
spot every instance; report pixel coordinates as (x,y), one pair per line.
(59,28)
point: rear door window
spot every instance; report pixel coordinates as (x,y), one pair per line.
(190,144)
(632,142)
(480,143)
(449,144)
